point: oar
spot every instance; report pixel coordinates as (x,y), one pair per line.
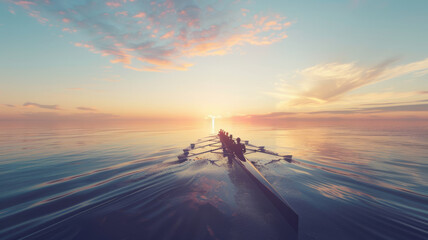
(262,150)
(211,139)
(192,146)
(202,145)
(186,154)
(211,136)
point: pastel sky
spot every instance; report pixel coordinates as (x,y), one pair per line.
(137,59)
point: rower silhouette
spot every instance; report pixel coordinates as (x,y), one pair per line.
(228,143)
(241,146)
(239,149)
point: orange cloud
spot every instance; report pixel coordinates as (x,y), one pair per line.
(140,15)
(124,13)
(113,4)
(36,15)
(168,35)
(161,34)
(120,56)
(24,3)
(330,84)
(70,30)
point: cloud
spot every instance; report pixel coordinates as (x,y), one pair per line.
(140,15)
(270,115)
(113,4)
(402,108)
(9,105)
(54,116)
(69,30)
(86,109)
(24,3)
(328,83)
(30,104)
(160,35)
(384,109)
(405,111)
(393,103)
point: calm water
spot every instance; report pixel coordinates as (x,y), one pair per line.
(123,181)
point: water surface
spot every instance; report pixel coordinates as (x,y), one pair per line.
(124,181)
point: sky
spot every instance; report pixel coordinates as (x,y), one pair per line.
(184,59)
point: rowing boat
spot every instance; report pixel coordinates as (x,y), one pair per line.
(263,184)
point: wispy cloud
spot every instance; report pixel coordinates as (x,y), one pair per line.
(273,115)
(160,35)
(55,116)
(383,109)
(87,109)
(31,104)
(415,111)
(25,4)
(328,83)
(9,105)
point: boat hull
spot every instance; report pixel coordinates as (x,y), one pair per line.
(279,202)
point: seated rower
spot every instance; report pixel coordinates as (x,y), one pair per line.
(230,140)
(242,146)
(239,149)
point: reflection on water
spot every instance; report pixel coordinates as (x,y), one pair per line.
(123,181)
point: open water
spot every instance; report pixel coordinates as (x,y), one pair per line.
(365,180)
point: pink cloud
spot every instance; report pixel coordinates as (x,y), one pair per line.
(24,3)
(244,11)
(140,15)
(157,36)
(67,30)
(120,56)
(124,13)
(168,35)
(113,4)
(38,17)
